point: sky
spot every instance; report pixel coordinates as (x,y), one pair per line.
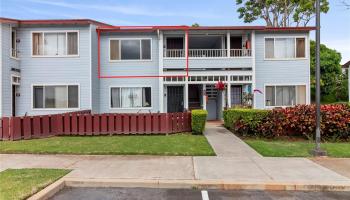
(335,25)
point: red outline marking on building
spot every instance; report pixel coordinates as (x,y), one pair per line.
(138,29)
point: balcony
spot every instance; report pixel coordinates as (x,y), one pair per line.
(208,58)
(206,53)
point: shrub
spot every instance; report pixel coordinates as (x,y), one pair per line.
(244,121)
(301,121)
(298,121)
(199,117)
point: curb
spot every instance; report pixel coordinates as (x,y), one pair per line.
(52,189)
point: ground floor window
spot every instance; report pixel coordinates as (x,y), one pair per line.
(131,97)
(285,95)
(55,96)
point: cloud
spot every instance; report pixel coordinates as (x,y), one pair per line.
(126,9)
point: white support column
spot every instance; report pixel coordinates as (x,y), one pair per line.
(186,95)
(253,69)
(161,87)
(204,96)
(228,43)
(186,44)
(229,95)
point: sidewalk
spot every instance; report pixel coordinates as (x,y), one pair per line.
(236,162)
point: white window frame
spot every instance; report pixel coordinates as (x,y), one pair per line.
(15,76)
(296,93)
(129,108)
(55,84)
(55,31)
(15,31)
(295,47)
(129,60)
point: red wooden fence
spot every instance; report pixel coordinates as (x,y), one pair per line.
(28,127)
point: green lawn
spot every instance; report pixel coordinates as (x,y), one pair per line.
(278,148)
(177,144)
(22,183)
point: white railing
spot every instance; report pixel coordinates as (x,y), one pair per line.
(174,53)
(240,52)
(211,53)
(206,53)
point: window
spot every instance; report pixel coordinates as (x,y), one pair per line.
(130,49)
(285,95)
(55,43)
(131,97)
(13,44)
(284,48)
(56,96)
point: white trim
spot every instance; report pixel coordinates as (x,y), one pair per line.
(14,30)
(208,58)
(285,84)
(129,108)
(253,39)
(308,87)
(286,59)
(54,31)
(90,73)
(129,60)
(160,71)
(53,84)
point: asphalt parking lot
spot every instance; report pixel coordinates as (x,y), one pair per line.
(189,194)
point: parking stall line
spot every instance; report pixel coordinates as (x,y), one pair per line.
(205,195)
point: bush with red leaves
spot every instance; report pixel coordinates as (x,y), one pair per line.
(300,121)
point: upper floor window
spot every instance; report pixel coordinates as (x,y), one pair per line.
(285,48)
(55,96)
(55,43)
(130,49)
(13,43)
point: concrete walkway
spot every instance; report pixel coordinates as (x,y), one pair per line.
(236,162)
(226,144)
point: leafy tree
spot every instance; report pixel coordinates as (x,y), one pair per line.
(331,74)
(280,13)
(195,25)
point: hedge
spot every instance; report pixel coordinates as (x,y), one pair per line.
(251,116)
(298,121)
(199,117)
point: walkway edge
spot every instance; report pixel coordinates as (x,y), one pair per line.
(52,189)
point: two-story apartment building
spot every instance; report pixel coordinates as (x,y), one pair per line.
(51,66)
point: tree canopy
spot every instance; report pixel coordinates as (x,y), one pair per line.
(331,74)
(280,13)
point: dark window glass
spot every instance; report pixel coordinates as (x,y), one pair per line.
(146,49)
(146,97)
(130,49)
(73,96)
(38,97)
(115,97)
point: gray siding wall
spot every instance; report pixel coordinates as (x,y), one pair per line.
(279,71)
(7,64)
(95,84)
(53,70)
(128,68)
(209,63)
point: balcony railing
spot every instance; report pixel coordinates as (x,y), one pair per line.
(240,52)
(206,53)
